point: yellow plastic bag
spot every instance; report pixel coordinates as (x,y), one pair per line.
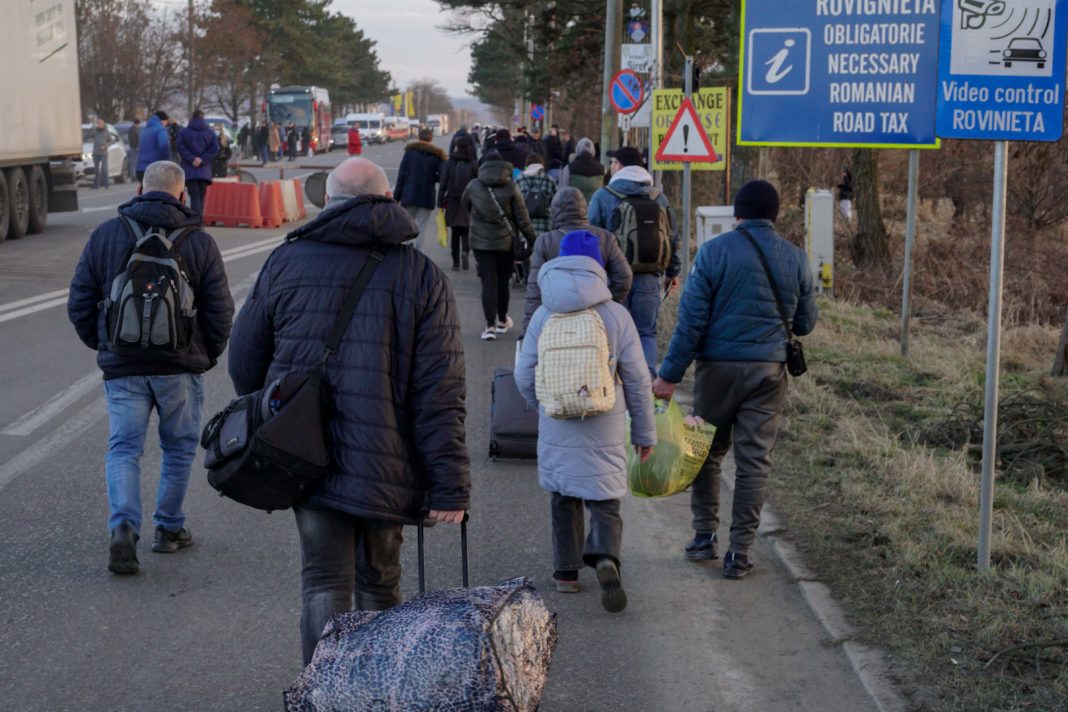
(443,232)
(680,452)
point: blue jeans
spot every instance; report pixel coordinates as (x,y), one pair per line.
(100,169)
(178,400)
(643,303)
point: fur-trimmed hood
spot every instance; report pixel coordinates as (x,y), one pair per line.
(426,147)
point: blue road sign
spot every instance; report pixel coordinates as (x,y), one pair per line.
(627,91)
(839,73)
(1002,69)
(537,112)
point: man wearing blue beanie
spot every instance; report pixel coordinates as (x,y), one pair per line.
(732,324)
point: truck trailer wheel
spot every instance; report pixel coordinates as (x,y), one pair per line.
(5,208)
(38,200)
(19,200)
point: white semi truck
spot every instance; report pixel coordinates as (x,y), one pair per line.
(40,114)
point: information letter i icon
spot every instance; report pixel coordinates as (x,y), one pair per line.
(779,60)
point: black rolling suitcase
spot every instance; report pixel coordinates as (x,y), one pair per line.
(513,423)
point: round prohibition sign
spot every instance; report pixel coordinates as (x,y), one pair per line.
(626,91)
(537,112)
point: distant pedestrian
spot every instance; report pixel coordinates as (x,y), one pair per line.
(584,171)
(355,145)
(845,193)
(568,212)
(155,142)
(133,140)
(220,167)
(538,190)
(260,142)
(552,146)
(509,150)
(306,142)
(582,459)
(498,218)
(730,322)
(292,139)
(395,386)
(631,186)
(569,146)
(138,381)
(100,154)
(417,178)
(456,174)
(274,141)
(198,146)
(243,140)
(462,135)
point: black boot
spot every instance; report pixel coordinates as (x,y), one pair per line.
(123,558)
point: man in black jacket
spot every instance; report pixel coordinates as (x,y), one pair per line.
(419,173)
(170,383)
(396,387)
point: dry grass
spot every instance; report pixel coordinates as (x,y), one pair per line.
(892,523)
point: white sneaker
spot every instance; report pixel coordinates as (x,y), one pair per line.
(489,334)
(508,324)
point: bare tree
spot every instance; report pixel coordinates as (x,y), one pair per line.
(1060,363)
(871,245)
(109,54)
(160,69)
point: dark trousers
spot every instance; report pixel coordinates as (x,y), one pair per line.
(197,189)
(342,555)
(140,176)
(459,239)
(605,537)
(744,400)
(495,270)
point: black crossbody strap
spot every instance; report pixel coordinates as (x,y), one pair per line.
(500,211)
(771,280)
(352,299)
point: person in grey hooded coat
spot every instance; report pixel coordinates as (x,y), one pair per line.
(583,461)
(568,214)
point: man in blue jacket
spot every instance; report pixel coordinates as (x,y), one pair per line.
(729,321)
(155,143)
(629,177)
(396,387)
(169,383)
(197,146)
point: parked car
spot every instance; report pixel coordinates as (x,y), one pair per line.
(118,161)
(1025,49)
(339,134)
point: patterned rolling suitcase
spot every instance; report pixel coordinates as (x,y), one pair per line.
(513,423)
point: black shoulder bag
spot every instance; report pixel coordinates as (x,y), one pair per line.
(520,247)
(268,449)
(795,354)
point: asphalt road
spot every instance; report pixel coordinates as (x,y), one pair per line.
(215,627)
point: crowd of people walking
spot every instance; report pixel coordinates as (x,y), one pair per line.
(595,252)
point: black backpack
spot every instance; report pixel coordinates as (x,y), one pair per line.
(644,231)
(536,199)
(151,307)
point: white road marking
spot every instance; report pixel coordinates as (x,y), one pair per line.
(53,406)
(32,300)
(32,305)
(59,438)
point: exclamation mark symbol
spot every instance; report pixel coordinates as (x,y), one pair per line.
(685,138)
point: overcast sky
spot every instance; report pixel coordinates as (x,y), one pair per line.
(410,45)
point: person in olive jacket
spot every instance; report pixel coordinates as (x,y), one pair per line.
(396,388)
(498,217)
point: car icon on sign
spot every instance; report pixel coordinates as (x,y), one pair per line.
(1025,49)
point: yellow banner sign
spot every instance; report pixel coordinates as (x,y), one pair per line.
(712,108)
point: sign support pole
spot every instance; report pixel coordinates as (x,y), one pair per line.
(657,28)
(612,28)
(910,244)
(687,183)
(993,354)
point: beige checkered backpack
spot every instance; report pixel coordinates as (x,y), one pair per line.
(574,374)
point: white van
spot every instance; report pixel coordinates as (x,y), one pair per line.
(372,126)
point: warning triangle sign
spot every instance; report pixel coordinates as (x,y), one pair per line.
(686,139)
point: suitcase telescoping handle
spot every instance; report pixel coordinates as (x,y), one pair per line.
(463,551)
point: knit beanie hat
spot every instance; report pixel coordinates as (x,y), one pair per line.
(582,243)
(757,200)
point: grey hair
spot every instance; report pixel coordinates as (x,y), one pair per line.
(584,145)
(371,180)
(165,176)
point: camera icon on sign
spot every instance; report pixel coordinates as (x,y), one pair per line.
(779,61)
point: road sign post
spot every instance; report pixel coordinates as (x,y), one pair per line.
(910,243)
(687,175)
(1001,74)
